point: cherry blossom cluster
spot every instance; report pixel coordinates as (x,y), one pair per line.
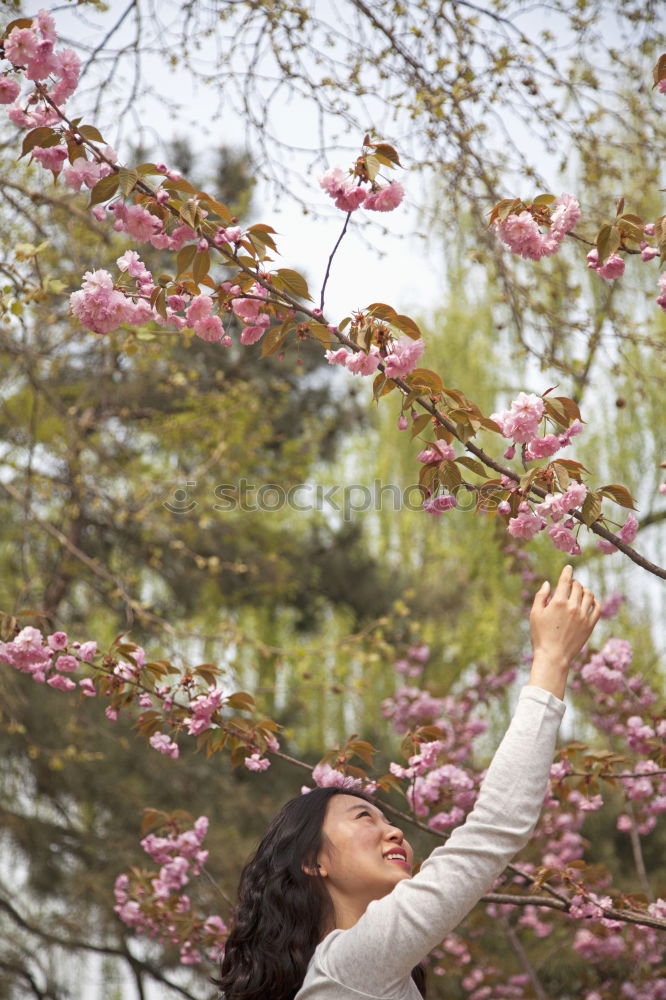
(521,423)
(165,218)
(521,233)
(154,904)
(124,678)
(626,707)
(33,50)
(439,788)
(347,192)
(537,230)
(399,358)
(457,957)
(49,661)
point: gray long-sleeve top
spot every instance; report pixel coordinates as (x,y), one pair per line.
(374,958)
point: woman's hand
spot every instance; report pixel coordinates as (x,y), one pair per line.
(560,625)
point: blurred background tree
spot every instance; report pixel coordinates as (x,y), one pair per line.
(100,438)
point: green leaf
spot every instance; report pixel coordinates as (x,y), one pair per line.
(41,136)
(386,151)
(449,475)
(243,701)
(408,326)
(382,385)
(420,423)
(659,72)
(188,213)
(556,412)
(184,258)
(294,283)
(544,199)
(322,334)
(608,241)
(221,210)
(180,184)
(591,508)
(90,132)
(424,378)
(127,180)
(620,494)
(372,165)
(472,464)
(104,189)
(201,265)
(381,311)
(275,338)
(148,169)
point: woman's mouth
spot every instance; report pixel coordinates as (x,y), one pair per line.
(398,856)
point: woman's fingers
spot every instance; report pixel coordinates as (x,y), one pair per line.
(576,593)
(563,588)
(588,601)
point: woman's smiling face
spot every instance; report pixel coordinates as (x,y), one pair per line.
(363,855)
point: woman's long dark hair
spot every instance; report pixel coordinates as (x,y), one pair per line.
(283,910)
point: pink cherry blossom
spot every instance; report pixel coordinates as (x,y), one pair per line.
(564,216)
(338,357)
(575,428)
(21,45)
(27,654)
(440,504)
(612,268)
(522,236)
(521,421)
(402,422)
(325,776)
(611,605)
(525,525)
(51,158)
(438,451)
(629,530)
(66,664)
(83,172)
(99,306)
(563,538)
(58,640)
(132,263)
(43,63)
(251,334)
(87,687)
(648,252)
(61,683)
(139,223)
(386,199)
(209,328)
(543,447)
(405,352)
(162,743)
(9,90)
(249,309)
(255,762)
(200,308)
(360,363)
(341,187)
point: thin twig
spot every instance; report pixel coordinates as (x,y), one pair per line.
(330,261)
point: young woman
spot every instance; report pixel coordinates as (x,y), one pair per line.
(328,908)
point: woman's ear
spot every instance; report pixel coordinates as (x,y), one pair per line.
(316,869)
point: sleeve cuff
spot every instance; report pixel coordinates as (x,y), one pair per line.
(533,693)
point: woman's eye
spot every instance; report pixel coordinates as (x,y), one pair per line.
(365,812)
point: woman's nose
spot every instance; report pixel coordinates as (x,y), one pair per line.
(395,834)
